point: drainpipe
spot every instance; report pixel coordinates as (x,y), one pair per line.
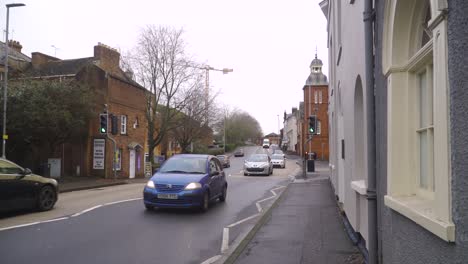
(370,114)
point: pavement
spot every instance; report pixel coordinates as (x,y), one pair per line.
(304,226)
(70,184)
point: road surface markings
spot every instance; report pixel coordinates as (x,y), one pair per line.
(68,217)
(225,239)
(123,201)
(240,222)
(212,259)
(225,243)
(87,210)
(54,220)
(17,226)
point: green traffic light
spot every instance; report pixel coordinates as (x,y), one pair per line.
(103,130)
(311,130)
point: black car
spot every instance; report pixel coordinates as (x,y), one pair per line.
(21,189)
(225,160)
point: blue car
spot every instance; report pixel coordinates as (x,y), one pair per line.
(185,181)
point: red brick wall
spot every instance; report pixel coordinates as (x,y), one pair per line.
(121,98)
(319,143)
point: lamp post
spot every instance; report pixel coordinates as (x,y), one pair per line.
(224,132)
(207,69)
(5,86)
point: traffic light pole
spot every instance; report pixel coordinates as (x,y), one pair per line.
(304,164)
(114,163)
(113,156)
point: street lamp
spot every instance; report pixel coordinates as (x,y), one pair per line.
(5,87)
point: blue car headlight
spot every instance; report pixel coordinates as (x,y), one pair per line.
(150,184)
(193,186)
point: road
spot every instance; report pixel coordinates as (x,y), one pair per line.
(110,225)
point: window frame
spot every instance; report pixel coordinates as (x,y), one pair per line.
(403,60)
(123,124)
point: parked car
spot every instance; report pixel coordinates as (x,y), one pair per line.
(278,160)
(279,152)
(239,153)
(21,189)
(186,180)
(225,160)
(258,164)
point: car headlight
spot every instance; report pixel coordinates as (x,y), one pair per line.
(150,184)
(193,186)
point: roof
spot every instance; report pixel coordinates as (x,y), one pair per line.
(272,135)
(317,79)
(61,67)
(74,66)
(13,54)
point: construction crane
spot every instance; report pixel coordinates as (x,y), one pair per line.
(207,69)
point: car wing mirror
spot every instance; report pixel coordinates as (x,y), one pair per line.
(214,173)
(27,172)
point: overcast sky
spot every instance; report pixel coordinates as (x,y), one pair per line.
(268,43)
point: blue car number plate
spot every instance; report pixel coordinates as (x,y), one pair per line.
(167,196)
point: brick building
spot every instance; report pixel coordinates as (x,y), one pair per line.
(125,101)
(316,103)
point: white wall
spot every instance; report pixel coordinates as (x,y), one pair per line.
(346,30)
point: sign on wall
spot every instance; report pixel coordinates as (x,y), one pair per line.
(99,151)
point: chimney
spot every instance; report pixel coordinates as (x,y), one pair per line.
(109,58)
(129,74)
(40,58)
(15,45)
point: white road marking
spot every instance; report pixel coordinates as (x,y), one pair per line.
(212,259)
(225,240)
(85,211)
(66,217)
(54,220)
(17,226)
(241,221)
(123,201)
(259,207)
(225,243)
(263,200)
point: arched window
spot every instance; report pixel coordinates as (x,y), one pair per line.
(415,61)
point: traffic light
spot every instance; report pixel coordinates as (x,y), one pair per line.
(312,124)
(103,123)
(114,124)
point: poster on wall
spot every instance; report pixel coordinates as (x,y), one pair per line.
(99,153)
(118,159)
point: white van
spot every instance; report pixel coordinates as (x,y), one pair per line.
(266,143)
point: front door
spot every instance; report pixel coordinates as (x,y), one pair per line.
(132,164)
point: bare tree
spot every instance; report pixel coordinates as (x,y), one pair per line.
(163,67)
(193,120)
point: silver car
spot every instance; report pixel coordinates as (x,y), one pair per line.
(278,160)
(258,164)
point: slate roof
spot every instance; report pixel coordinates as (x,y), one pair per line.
(13,54)
(61,67)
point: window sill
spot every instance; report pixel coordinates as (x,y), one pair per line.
(421,211)
(359,186)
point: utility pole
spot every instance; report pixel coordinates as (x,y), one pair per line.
(5,87)
(114,156)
